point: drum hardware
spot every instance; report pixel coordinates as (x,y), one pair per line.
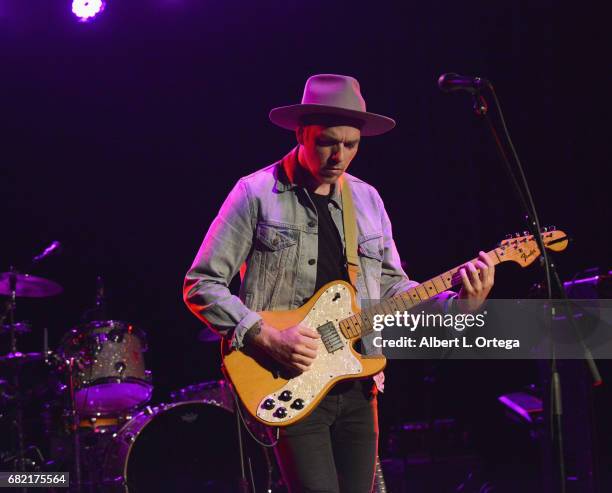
(19,328)
(106,380)
(98,311)
(15,285)
(74,420)
(108,366)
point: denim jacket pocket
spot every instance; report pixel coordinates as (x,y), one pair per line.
(275,252)
(272,237)
(371,246)
(370,251)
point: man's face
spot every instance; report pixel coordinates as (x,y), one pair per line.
(326,152)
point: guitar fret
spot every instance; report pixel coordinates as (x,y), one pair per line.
(342,325)
(422,292)
(414,295)
(431,288)
(395,304)
(365,317)
(448,278)
(399,302)
(387,306)
(499,260)
(406,300)
(345,327)
(352,329)
(440,286)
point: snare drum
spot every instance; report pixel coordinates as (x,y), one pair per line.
(109,374)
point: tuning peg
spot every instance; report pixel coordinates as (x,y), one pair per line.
(544,229)
(517,234)
(551,228)
(525,233)
(508,236)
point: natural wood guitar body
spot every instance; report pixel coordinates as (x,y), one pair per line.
(256,377)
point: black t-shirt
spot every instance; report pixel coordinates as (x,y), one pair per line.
(330,259)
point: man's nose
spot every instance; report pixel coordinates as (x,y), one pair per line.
(338,153)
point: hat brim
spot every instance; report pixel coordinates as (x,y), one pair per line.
(290,117)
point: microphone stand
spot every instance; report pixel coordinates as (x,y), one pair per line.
(480,108)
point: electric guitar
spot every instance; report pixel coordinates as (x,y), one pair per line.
(276,397)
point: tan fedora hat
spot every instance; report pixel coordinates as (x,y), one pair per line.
(336,96)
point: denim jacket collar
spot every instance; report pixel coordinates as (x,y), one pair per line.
(287,166)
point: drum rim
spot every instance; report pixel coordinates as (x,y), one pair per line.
(189,393)
(97,324)
(131,380)
(143,382)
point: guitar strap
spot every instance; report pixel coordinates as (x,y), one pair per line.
(349,221)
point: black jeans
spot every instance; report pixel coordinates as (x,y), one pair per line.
(334,448)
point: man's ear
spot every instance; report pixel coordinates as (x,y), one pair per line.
(299,135)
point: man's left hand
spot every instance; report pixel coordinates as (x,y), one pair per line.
(477,282)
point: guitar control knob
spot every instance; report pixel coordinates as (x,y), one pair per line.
(281,412)
(286,395)
(268,404)
(298,404)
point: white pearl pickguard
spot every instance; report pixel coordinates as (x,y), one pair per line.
(332,306)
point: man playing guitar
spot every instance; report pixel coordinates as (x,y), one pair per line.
(282,228)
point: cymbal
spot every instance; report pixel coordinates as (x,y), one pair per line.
(207,335)
(20,358)
(20,328)
(29,286)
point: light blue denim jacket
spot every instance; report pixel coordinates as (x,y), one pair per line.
(267,230)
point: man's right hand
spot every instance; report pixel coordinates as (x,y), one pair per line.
(295,347)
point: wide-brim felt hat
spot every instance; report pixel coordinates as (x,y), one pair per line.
(333,96)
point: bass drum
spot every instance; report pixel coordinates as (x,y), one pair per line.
(188,447)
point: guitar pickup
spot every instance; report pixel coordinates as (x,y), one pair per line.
(330,337)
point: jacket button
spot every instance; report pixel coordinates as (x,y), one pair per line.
(312,224)
(311,261)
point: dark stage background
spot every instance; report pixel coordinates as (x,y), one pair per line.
(121,137)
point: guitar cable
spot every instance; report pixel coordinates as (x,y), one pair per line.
(244,422)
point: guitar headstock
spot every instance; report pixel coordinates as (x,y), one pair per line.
(523,249)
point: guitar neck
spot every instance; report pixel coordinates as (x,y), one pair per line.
(361,323)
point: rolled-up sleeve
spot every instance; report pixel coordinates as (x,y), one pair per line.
(224,249)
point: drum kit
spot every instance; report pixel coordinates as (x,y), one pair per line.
(96,418)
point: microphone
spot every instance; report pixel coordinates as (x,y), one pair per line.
(52,249)
(451,82)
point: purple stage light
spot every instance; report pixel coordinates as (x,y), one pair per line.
(86,10)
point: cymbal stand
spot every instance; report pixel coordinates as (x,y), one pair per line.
(11,308)
(12,305)
(76,440)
